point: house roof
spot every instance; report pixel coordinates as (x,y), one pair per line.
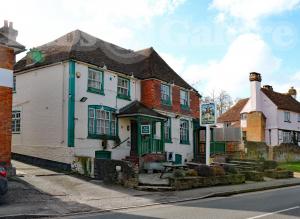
(4,40)
(282,101)
(137,108)
(233,114)
(80,46)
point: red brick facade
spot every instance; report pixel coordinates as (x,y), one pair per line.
(150,96)
(7,59)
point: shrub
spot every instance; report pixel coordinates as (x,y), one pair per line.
(218,171)
(230,169)
(269,164)
(191,172)
(204,171)
(178,173)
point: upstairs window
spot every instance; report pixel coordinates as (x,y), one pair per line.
(299,117)
(95,81)
(243,116)
(123,88)
(165,94)
(16,122)
(14,84)
(287,117)
(184,131)
(184,98)
(102,121)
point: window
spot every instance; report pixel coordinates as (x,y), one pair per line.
(14,84)
(184,99)
(95,81)
(184,131)
(168,130)
(286,137)
(16,122)
(243,116)
(165,94)
(123,88)
(299,117)
(102,121)
(287,117)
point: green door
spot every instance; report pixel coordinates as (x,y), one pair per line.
(103,155)
(178,159)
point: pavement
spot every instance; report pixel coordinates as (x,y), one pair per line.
(44,192)
(281,203)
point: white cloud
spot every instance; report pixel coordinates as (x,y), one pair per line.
(176,63)
(251,11)
(116,21)
(247,53)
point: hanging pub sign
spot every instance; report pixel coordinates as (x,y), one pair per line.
(207,114)
(145,129)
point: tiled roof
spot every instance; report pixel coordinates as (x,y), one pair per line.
(282,101)
(83,47)
(4,40)
(233,114)
(137,108)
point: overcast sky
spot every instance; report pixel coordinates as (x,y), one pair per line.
(213,44)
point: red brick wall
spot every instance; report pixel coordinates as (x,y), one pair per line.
(7,60)
(150,96)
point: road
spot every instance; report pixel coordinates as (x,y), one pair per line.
(275,204)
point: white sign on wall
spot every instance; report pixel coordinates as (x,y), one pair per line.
(6,78)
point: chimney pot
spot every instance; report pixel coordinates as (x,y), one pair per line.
(254,76)
(268,87)
(5,23)
(11,24)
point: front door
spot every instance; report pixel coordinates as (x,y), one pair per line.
(134,137)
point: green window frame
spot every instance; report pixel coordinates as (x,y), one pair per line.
(123,88)
(102,122)
(168,130)
(95,81)
(165,94)
(14,84)
(16,122)
(184,99)
(184,131)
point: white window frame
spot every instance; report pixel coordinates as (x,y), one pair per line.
(123,87)
(95,79)
(16,122)
(165,93)
(184,98)
(101,122)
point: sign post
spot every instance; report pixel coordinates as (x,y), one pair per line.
(207,119)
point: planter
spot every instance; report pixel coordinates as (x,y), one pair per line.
(184,183)
(279,174)
(254,175)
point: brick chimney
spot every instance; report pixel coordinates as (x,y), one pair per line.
(293,92)
(9,31)
(255,85)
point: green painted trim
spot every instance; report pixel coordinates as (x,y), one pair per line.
(71,105)
(139,135)
(94,90)
(122,96)
(184,107)
(102,136)
(162,133)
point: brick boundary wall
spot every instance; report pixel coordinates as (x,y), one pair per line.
(7,60)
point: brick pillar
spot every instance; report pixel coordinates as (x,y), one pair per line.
(7,60)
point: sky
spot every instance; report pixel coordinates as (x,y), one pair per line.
(213,44)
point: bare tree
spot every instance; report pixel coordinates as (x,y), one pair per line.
(222,99)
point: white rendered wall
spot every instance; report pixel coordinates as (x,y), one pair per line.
(255,99)
(40,98)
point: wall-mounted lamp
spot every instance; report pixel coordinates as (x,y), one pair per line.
(177,116)
(83,99)
(78,74)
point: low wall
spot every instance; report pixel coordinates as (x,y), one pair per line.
(256,150)
(286,153)
(106,170)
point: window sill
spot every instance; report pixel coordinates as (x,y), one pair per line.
(185,143)
(103,137)
(95,91)
(123,97)
(288,121)
(16,133)
(184,107)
